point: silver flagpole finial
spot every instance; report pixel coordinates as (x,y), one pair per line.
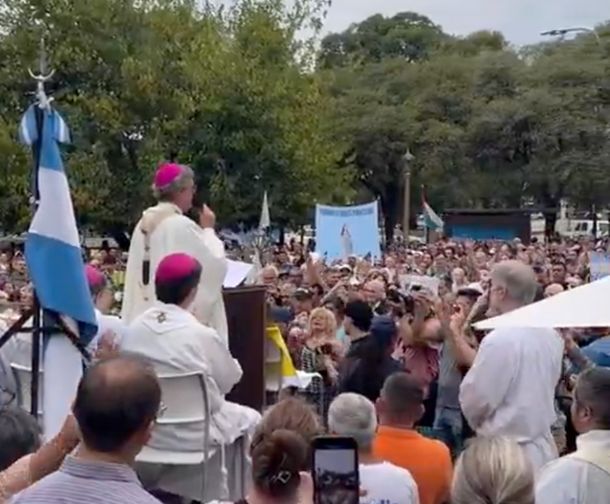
(43,100)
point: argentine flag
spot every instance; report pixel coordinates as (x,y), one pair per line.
(55,265)
(431,219)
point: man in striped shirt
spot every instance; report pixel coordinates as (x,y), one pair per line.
(115,407)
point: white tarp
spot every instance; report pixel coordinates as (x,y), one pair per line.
(584,306)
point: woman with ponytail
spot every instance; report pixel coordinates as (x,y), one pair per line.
(280,454)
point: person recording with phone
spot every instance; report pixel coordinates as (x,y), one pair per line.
(354,416)
(320,353)
(369,361)
(510,388)
(420,334)
(457,354)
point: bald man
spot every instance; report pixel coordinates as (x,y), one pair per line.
(116,405)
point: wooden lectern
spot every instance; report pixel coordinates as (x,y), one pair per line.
(245,307)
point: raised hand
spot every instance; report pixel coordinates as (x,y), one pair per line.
(207,218)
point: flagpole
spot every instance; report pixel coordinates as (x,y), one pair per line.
(42,105)
(426,228)
(406,211)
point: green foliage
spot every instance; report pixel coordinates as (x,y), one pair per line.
(142,81)
(488,126)
(407,35)
(239,94)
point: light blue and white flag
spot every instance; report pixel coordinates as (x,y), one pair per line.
(52,247)
(431,219)
(55,264)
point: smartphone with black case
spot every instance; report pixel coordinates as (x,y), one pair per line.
(335,470)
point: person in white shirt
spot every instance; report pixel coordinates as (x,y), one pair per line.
(583,477)
(353,415)
(510,389)
(163,230)
(174,341)
(103,298)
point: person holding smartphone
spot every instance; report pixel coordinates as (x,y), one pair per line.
(353,416)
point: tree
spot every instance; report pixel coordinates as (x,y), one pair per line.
(406,35)
(143,81)
(489,127)
(371,127)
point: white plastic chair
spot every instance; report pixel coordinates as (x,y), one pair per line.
(23,377)
(184,399)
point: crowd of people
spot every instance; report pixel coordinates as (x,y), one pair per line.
(440,411)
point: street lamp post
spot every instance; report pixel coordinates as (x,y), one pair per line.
(562,32)
(406,215)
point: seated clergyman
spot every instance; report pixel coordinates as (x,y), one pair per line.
(176,342)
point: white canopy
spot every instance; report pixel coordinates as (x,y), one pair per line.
(584,306)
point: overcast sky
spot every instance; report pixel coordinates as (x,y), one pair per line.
(521,21)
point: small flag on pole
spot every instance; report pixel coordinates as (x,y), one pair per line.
(432,221)
(265,220)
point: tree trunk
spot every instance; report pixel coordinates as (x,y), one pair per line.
(392,211)
(121,236)
(388,224)
(550,219)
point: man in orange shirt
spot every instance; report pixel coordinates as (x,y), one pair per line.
(399,407)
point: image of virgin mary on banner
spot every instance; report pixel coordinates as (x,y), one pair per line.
(348,230)
(346,242)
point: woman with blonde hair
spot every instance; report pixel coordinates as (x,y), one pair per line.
(493,471)
(320,353)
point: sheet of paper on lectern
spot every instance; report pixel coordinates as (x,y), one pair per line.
(237,272)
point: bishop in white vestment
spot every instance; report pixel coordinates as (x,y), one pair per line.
(163,230)
(175,342)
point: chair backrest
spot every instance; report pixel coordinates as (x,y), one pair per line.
(23,377)
(185,400)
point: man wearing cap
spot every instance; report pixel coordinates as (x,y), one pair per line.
(176,342)
(164,229)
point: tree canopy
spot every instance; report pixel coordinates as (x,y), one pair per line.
(488,125)
(252,105)
(224,90)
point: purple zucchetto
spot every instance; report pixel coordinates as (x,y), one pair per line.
(175,267)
